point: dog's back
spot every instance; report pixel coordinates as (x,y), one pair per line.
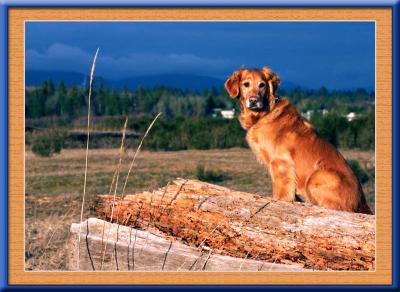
(289,146)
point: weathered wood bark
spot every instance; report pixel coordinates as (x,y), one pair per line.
(248,226)
(127,249)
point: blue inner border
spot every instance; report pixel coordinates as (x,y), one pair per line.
(4,5)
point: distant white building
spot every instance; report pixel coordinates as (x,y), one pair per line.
(351,116)
(307,114)
(226,114)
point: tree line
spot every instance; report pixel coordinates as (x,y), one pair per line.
(188,120)
(50,100)
(47,100)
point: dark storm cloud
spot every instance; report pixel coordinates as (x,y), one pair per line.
(313,54)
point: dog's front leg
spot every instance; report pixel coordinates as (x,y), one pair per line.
(283,180)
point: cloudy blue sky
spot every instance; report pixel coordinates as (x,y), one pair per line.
(338,55)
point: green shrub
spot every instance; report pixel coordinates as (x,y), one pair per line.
(361,174)
(209,175)
(46,143)
(111,122)
(195,133)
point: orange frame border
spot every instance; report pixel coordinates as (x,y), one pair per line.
(383,273)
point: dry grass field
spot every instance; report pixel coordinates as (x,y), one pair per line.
(54,187)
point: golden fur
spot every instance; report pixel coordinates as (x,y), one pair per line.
(301,164)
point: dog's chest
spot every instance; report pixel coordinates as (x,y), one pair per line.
(261,147)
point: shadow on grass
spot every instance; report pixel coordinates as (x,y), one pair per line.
(212,176)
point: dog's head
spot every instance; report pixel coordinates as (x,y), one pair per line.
(255,88)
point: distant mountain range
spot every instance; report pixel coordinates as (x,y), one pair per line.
(182,81)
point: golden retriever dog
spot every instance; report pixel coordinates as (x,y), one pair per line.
(302,164)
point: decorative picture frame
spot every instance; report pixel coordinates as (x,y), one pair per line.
(13,17)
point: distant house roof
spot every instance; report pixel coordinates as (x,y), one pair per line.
(228,114)
(351,116)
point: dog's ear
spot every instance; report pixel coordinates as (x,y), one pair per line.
(233,82)
(273,83)
(272,79)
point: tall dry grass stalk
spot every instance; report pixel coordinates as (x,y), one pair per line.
(126,180)
(118,170)
(87,151)
(115,178)
(137,152)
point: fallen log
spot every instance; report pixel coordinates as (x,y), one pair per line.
(248,226)
(130,249)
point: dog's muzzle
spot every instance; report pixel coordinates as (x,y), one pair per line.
(254,103)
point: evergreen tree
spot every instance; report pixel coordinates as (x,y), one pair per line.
(125,101)
(73,101)
(209,106)
(62,98)
(99,99)
(50,87)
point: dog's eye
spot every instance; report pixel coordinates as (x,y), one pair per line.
(261,85)
(246,84)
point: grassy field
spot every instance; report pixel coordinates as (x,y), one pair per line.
(54,187)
